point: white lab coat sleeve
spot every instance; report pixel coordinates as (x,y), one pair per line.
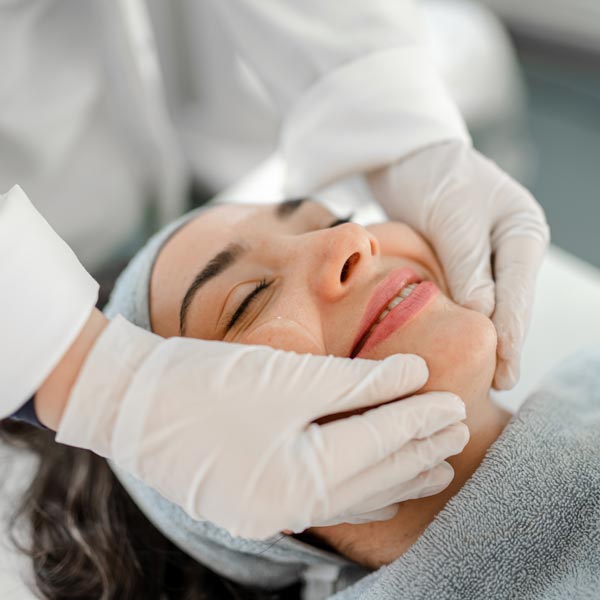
(46,297)
(352,81)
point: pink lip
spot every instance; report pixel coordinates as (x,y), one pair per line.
(400,314)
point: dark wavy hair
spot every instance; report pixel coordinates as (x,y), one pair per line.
(89,540)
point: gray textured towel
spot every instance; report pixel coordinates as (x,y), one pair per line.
(527,524)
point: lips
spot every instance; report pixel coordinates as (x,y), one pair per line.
(384,293)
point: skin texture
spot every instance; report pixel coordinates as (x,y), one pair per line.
(322,279)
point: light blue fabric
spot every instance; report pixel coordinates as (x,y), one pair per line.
(131,294)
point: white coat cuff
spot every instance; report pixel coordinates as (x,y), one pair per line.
(46,298)
(367,114)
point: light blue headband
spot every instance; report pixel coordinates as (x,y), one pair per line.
(131,294)
(270,564)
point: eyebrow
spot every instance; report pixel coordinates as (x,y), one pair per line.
(287,207)
(226,258)
(218,264)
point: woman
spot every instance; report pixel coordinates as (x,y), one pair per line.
(297,278)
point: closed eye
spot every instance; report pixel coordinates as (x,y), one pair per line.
(262,285)
(341,221)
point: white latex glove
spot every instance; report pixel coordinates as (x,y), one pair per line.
(226,431)
(488,231)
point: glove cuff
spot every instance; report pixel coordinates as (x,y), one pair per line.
(93,407)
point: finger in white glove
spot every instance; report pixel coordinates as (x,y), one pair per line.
(427,483)
(517,262)
(421,457)
(399,433)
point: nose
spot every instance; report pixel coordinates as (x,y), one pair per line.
(340,256)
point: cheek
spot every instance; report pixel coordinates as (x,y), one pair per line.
(464,355)
(283,333)
(458,344)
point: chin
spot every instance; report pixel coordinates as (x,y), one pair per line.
(458,344)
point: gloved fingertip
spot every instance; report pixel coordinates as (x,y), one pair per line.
(447,400)
(413,361)
(439,478)
(407,366)
(382,514)
(450,441)
(507,374)
(455,439)
(461,408)
(481,300)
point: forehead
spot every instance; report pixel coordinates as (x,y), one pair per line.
(187,250)
(206,232)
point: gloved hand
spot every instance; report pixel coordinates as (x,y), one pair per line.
(488,231)
(227,431)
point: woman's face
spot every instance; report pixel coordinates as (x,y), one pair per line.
(287,276)
(295,278)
